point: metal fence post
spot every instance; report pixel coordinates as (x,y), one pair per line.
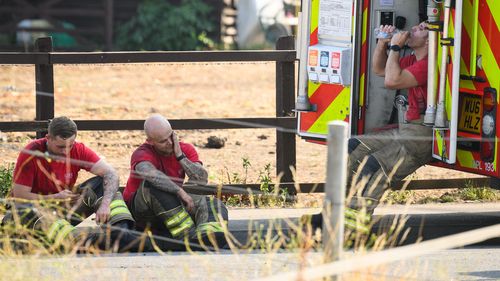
(336,177)
(285,101)
(44,76)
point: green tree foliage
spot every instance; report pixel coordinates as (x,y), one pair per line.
(160,25)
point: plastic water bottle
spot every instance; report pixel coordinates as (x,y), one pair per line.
(379,34)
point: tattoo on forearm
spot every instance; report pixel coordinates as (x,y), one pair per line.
(195,171)
(110,185)
(157,178)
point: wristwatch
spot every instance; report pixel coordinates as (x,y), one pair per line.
(395,48)
(181,157)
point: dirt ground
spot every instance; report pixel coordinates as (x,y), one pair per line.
(178,91)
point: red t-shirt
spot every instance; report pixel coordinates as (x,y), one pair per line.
(46,177)
(417,96)
(166,164)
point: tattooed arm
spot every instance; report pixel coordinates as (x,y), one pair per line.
(110,186)
(162,182)
(195,171)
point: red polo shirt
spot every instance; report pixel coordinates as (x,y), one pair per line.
(51,176)
(166,164)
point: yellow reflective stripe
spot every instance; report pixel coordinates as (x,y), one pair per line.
(63,233)
(117,203)
(54,228)
(333,112)
(211,227)
(314,10)
(119,210)
(185,225)
(465,158)
(312,88)
(494,6)
(439,141)
(489,62)
(176,219)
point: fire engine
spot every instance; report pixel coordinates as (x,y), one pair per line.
(334,47)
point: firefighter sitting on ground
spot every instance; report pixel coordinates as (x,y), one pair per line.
(46,171)
(155,193)
(379,157)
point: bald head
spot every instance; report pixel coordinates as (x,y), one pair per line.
(157,126)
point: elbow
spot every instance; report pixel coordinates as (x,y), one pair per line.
(378,72)
(391,84)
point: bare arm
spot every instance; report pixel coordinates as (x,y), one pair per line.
(110,176)
(395,77)
(195,171)
(162,182)
(157,178)
(24,192)
(380,58)
(110,186)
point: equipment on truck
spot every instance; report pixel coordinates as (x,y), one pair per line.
(334,47)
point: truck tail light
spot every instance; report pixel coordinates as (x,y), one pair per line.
(488,132)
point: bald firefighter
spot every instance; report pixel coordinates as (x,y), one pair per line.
(155,193)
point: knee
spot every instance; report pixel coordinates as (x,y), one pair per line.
(352,144)
(164,198)
(96,184)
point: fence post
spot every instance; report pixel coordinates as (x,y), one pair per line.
(285,102)
(44,77)
(336,177)
(108,28)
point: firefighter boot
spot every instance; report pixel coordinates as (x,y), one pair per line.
(211,213)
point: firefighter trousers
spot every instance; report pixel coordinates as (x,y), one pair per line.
(164,213)
(57,220)
(378,158)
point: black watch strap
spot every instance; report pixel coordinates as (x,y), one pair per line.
(395,48)
(181,157)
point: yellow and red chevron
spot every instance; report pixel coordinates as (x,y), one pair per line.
(488,19)
(332,101)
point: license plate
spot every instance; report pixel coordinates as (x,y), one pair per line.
(470,114)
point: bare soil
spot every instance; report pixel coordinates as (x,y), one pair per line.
(177,91)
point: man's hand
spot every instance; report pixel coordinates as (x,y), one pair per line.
(102,214)
(387,29)
(400,38)
(187,200)
(177,146)
(66,195)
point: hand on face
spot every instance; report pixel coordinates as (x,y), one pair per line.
(176,145)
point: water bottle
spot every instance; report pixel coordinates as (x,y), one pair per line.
(379,34)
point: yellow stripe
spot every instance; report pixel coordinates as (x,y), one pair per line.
(465,159)
(63,233)
(176,219)
(490,65)
(187,224)
(314,15)
(333,112)
(312,88)
(495,11)
(439,140)
(362,90)
(54,228)
(365,20)
(119,210)
(211,227)
(116,203)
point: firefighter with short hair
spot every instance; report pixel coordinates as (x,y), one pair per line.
(155,193)
(379,157)
(46,171)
